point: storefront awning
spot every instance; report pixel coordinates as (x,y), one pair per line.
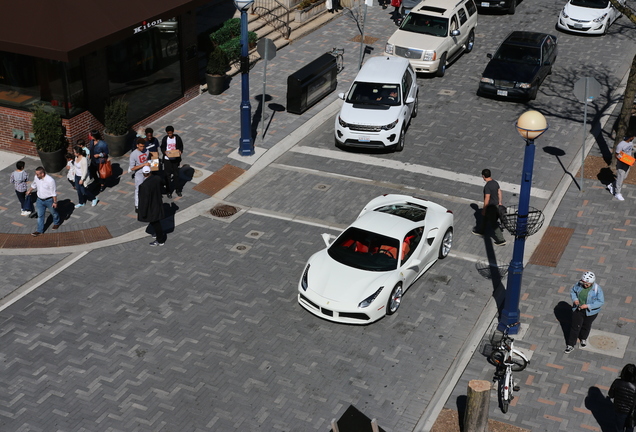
(65,30)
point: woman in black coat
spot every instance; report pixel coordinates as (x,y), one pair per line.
(623,391)
(151,205)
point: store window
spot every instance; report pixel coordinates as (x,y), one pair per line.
(144,69)
(26,81)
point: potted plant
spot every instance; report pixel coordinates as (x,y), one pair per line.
(50,141)
(116,126)
(218,65)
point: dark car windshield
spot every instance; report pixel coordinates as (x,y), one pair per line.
(365,250)
(364,93)
(595,4)
(425,24)
(518,54)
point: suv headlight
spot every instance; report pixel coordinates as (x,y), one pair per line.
(601,18)
(564,15)
(524,85)
(389,126)
(367,301)
(303,282)
(429,55)
(388,48)
(487,80)
(342,123)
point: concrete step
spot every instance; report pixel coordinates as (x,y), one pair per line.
(298,31)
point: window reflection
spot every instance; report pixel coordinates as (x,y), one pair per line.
(25,80)
(145,69)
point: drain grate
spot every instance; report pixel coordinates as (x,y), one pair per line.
(223,210)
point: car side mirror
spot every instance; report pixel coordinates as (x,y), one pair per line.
(328,238)
(489,55)
(455,32)
(341,96)
(410,100)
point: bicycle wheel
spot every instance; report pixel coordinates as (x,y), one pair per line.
(503,395)
(518,363)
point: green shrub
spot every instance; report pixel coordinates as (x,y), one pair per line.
(48,130)
(231,29)
(116,117)
(218,63)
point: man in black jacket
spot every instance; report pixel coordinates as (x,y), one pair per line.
(172,144)
(623,391)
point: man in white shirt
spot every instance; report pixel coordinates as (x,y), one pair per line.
(46,190)
(626,146)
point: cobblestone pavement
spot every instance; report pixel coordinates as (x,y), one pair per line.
(205,333)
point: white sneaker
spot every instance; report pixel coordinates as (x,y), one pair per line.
(583,343)
(610,188)
(619,197)
(25,213)
(95,201)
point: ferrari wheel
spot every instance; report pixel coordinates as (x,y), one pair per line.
(394,300)
(447,243)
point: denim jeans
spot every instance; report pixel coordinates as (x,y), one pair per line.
(83,194)
(41,206)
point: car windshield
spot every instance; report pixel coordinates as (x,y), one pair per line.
(425,24)
(518,54)
(595,4)
(364,93)
(412,212)
(365,250)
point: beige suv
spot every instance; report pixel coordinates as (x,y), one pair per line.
(434,34)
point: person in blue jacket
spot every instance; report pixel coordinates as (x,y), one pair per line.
(587,300)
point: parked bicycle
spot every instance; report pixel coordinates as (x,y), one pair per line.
(338,53)
(508,360)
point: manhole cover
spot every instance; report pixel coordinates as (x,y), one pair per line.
(603,342)
(447,92)
(240,248)
(223,210)
(254,234)
(322,187)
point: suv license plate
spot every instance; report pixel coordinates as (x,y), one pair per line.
(502,92)
(578,25)
(485,4)
(364,139)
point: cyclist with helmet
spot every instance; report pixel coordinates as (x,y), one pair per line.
(587,298)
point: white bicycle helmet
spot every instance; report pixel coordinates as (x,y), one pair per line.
(588,277)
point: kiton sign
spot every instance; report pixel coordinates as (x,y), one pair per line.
(146,25)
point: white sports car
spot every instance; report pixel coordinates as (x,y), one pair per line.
(361,276)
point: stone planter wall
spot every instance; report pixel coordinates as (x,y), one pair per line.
(302,15)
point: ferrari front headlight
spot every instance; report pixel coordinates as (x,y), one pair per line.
(303,281)
(367,301)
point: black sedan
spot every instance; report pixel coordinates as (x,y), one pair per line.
(519,66)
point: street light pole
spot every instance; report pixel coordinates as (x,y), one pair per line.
(530,126)
(246,147)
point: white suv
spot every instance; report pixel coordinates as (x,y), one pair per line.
(378,106)
(434,34)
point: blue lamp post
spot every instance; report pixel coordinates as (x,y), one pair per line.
(530,126)
(246,147)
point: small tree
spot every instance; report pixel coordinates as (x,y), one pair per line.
(116,117)
(48,130)
(630,89)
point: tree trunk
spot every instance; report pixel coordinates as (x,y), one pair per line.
(628,105)
(477,406)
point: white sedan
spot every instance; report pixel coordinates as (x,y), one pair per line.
(361,276)
(588,16)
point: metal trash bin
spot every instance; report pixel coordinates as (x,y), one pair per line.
(311,83)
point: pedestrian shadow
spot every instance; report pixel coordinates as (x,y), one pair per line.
(65,208)
(606,176)
(491,268)
(601,407)
(563,314)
